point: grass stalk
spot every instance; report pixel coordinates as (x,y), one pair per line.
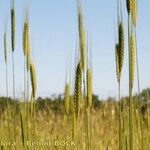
(131,80)
(6,69)
(120,119)
(139,91)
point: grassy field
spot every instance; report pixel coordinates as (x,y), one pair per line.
(52,129)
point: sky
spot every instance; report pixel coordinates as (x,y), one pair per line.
(53,34)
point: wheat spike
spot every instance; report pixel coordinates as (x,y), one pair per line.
(131,59)
(134,12)
(13,26)
(121,46)
(81,35)
(117,62)
(33,79)
(77,90)
(89,87)
(5,47)
(26,37)
(28,59)
(129,5)
(67,98)
(26,46)
(119,51)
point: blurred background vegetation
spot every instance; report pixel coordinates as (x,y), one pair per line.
(55,103)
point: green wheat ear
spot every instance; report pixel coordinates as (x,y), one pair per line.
(13,26)
(5,47)
(134,12)
(131,59)
(121,46)
(81,35)
(33,79)
(129,5)
(77,90)
(119,51)
(26,38)
(117,62)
